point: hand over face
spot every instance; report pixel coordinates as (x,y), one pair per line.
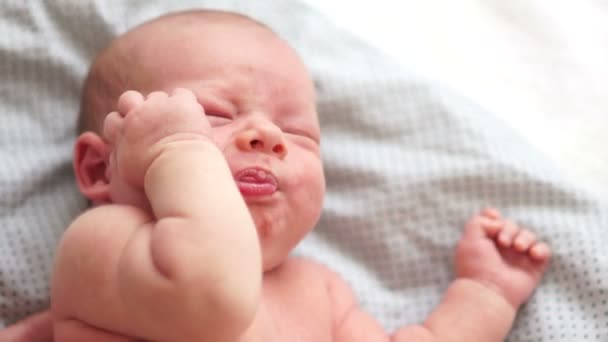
(142,127)
(500,254)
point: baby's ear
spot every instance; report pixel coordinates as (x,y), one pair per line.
(90,163)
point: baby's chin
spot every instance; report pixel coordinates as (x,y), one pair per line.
(278,233)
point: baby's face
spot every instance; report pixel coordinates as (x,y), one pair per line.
(260,102)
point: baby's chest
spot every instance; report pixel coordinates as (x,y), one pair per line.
(295,309)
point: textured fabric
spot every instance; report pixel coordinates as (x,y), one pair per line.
(538,65)
(407,162)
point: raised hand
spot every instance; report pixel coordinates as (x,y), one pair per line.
(501,255)
(142,127)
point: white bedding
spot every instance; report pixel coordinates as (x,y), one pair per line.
(540,66)
(407,161)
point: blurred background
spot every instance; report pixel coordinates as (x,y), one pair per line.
(541,66)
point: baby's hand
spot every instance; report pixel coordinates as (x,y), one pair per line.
(501,255)
(142,127)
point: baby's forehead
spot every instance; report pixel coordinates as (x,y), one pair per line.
(186,31)
(127,63)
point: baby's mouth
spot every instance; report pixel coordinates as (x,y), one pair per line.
(256,182)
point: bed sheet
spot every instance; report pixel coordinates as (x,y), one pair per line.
(407,161)
(539,66)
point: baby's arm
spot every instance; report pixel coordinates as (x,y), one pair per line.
(498,266)
(192,262)
(37,327)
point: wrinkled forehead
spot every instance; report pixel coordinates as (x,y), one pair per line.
(153,55)
(222,44)
(197,51)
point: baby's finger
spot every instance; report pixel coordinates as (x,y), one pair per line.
(524,240)
(481,227)
(183,92)
(506,235)
(540,251)
(110,125)
(491,227)
(129,100)
(157,94)
(187,98)
(491,213)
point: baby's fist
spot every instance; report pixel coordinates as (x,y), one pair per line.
(143,127)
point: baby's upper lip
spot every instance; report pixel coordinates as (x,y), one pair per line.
(256,174)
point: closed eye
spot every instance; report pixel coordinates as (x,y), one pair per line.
(301,134)
(218,119)
(218,112)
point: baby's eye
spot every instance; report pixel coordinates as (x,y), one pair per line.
(297,133)
(218,119)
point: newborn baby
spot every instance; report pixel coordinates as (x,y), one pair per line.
(204,176)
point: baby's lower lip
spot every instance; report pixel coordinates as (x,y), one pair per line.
(254,189)
(256,182)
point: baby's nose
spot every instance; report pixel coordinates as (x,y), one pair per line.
(263,137)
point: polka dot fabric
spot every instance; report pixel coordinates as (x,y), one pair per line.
(407,162)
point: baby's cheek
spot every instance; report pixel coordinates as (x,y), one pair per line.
(222,136)
(308,185)
(305,176)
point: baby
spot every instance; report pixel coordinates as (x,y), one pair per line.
(204,176)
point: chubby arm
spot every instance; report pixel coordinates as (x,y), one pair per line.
(468,312)
(195,264)
(204,243)
(37,327)
(170,273)
(498,266)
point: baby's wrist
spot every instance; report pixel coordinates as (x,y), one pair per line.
(182,144)
(489,290)
(187,151)
(481,313)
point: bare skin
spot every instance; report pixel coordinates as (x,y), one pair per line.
(184,246)
(35,328)
(498,265)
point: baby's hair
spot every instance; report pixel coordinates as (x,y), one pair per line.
(109,74)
